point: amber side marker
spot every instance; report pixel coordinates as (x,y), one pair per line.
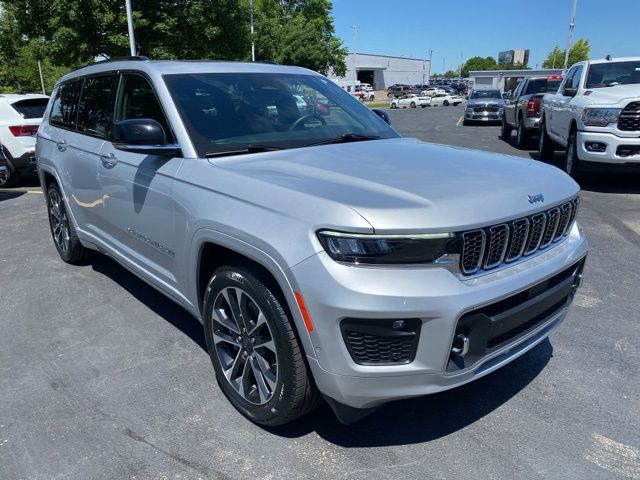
(303,311)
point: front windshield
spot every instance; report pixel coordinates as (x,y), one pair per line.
(613,73)
(485,94)
(225,112)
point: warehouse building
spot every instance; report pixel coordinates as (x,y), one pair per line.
(380,71)
(504,80)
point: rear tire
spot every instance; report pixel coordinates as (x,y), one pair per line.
(9,176)
(522,136)
(63,232)
(546,146)
(505,130)
(271,384)
(445,103)
(413,104)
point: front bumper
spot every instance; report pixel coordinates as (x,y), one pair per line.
(612,154)
(531,123)
(437,297)
(483,116)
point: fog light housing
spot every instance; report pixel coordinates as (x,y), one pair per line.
(597,147)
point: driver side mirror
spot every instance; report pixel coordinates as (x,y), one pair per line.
(506,95)
(143,135)
(570,92)
(382,114)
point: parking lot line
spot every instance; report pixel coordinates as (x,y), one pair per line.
(459,121)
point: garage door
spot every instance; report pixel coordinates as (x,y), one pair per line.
(484,82)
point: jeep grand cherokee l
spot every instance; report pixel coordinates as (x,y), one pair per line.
(323,253)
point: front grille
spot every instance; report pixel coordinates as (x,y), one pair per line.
(490,247)
(486,108)
(628,150)
(381,342)
(630,118)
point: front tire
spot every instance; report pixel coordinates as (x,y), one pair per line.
(413,104)
(522,136)
(63,232)
(571,163)
(254,349)
(546,146)
(445,103)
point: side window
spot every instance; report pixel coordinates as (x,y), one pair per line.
(136,99)
(64,108)
(94,105)
(568,80)
(577,75)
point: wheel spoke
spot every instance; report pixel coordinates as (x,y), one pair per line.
(260,321)
(234,304)
(264,343)
(265,369)
(244,380)
(219,336)
(232,372)
(263,390)
(219,316)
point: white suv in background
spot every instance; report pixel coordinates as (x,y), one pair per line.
(20,116)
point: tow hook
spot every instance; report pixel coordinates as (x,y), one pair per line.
(460,345)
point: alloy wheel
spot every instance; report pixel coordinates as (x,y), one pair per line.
(59,222)
(244,344)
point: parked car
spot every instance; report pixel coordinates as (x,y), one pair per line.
(20,116)
(484,106)
(332,258)
(595,115)
(522,107)
(366,91)
(3,166)
(431,91)
(445,99)
(410,100)
(399,90)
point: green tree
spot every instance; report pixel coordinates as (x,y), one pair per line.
(450,74)
(478,63)
(298,32)
(578,52)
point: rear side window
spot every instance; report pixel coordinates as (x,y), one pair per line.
(31,108)
(64,108)
(137,99)
(94,105)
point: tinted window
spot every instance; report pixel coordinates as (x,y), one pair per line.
(575,83)
(31,108)
(93,107)
(64,108)
(613,73)
(543,85)
(486,94)
(137,99)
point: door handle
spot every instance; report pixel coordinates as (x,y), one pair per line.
(62,145)
(108,159)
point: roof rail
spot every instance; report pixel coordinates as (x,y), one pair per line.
(138,58)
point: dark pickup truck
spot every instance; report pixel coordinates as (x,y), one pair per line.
(522,107)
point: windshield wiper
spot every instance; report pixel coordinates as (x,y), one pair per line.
(252,148)
(345,138)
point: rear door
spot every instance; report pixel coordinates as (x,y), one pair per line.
(511,103)
(139,210)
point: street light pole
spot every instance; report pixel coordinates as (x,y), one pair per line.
(132,39)
(253,41)
(571,25)
(355,56)
(429,74)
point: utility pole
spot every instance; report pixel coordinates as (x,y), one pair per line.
(132,39)
(460,68)
(253,41)
(429,74)
(355,56)
(571,25)
(41,79)
(443,66)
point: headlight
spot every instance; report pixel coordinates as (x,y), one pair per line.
(600,117)
(385,249)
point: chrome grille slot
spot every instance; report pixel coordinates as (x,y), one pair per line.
(630,118)
(553,216)
(473,251)
(497,245)
(489,247)
(519,232)
(538,222)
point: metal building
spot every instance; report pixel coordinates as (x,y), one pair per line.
(383,70)
(504,80)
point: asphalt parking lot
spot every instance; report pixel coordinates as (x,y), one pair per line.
(102,377)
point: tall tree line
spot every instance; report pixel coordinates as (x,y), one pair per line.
(67,33)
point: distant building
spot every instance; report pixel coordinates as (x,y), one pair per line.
(504,80)
(380,71)
(514,56)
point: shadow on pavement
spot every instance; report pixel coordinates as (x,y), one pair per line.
(426,418)
(9,194)
(156,301)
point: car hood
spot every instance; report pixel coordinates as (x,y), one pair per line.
(405,185)
(613,95)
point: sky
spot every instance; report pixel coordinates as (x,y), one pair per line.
(468,28)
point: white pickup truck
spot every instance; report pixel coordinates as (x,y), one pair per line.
(595,114)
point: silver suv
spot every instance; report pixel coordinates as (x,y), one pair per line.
(323,253)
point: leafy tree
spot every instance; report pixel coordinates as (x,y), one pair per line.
(578,52)
(298,32)
(450,74)
(478,63)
